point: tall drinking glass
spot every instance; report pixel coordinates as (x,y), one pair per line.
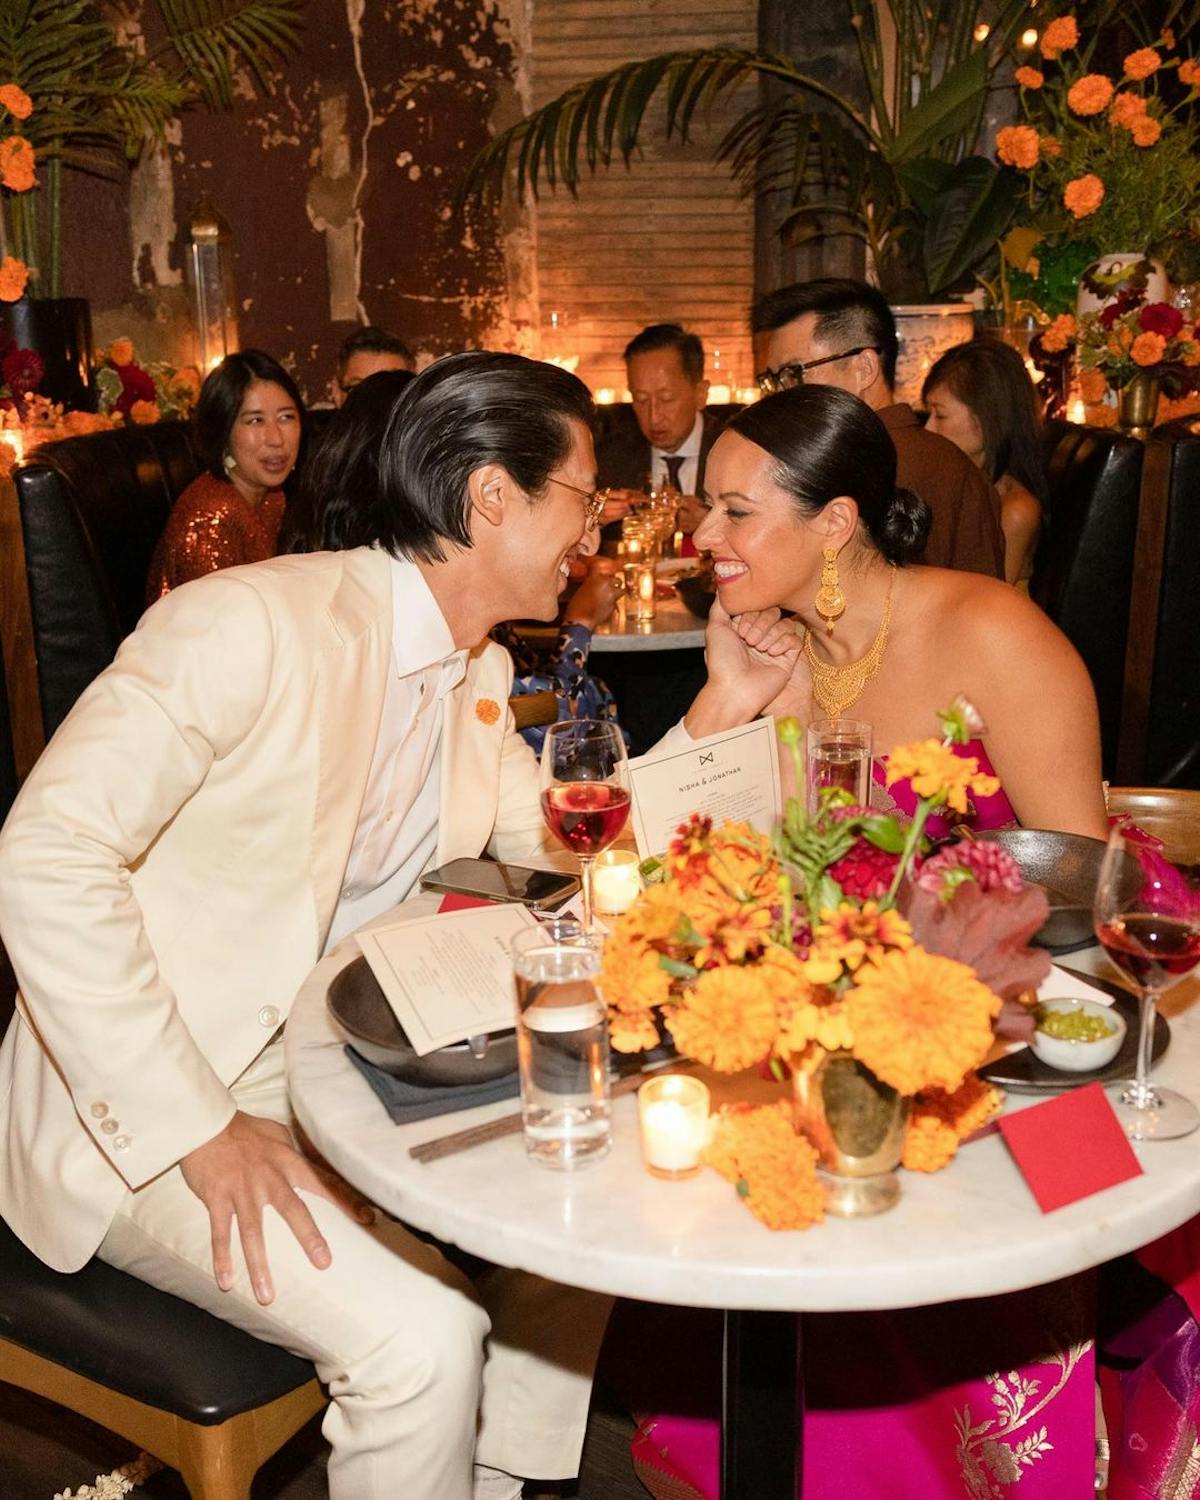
(1147,917)
(839,755)
(585,791)
(562,1044)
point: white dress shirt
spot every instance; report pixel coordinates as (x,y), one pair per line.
(397,829)
(689,451)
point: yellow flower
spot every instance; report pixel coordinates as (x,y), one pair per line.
(726,1019)
(1084,195)
(633,1032)
(774,1168)
(940,1121)
(813,1015)
(1148,349)
(1090,95)
(1059,334)
(919,1020)
(939,775)
(1029,78)
(853,934)
(16,101)
(1142,63)
(1017,145)
(1059,36)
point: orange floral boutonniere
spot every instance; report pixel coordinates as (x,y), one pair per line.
(487,710)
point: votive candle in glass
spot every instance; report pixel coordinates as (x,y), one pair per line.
(616,881)
(673,1116)
(644,603)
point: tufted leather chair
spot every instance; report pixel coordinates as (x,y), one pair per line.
(92,509)
(1083,567)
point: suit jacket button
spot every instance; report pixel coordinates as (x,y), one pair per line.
(110,1127)
(99,1110)
(122,1142)
(268,1016)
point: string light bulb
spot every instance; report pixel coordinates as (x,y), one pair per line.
(1029,38)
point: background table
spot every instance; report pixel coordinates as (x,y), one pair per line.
(969,1231)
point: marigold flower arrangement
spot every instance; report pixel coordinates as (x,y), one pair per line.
(830,936)
(1132,337)
(144,393)
(1108,160)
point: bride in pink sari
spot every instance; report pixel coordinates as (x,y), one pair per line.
(980,1400)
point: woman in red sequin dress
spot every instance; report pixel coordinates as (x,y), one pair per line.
(249,423)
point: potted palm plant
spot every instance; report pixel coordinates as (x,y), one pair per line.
(901,174)
(77,96)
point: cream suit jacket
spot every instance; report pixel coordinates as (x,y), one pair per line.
(170,869)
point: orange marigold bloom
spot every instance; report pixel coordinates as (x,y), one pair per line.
(1145,131)
(1126,108)
(920,1021)
(186,382)
(1059,334)
(1050,145)
(1189,352)
(1060,35)
(16,101)
(1100,416)
(1189,72)
(13,276)
(929,1144)
(16,164)
(1142,63)
(1017,145)
(774,1169)
(1029,78)
(1084,195)
(1148,349)
(487,710)
(1090,94)
(144,413)
(935,772)
(1092,385)
(1120,340)
(726,1019)
(121,352)
(940,1121)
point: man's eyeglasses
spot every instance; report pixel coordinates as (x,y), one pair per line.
(792,374)
(593,500)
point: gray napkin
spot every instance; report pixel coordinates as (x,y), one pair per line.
(408,1102)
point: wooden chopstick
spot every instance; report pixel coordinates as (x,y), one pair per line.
(494,1130)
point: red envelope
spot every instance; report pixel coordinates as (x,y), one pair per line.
(1070,1147)
(452,901)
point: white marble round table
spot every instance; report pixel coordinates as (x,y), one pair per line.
(673,628)
(969,1231)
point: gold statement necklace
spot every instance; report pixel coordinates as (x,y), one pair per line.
(835,689)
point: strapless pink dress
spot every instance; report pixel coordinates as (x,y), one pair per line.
(989,812)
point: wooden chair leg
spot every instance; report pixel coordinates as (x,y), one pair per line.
(218,1463)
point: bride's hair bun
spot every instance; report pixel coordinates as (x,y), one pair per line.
(905,527)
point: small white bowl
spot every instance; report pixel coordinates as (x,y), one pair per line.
(1076,1056)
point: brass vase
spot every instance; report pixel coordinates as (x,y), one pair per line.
(1136,405)
(857,1126)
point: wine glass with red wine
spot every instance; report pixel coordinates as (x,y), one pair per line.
(1147,917)
(585,791)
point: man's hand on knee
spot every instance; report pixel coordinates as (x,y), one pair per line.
(251,1165)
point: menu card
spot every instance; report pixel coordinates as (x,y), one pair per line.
(1069,1147)
(730,775)
(450,976)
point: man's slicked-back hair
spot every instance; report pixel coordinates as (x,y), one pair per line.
(849,315)
(670,336)
(372,340)
(463,412)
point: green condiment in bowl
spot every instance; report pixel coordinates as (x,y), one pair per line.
(1071,1025)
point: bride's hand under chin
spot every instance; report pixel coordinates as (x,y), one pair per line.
(750,660)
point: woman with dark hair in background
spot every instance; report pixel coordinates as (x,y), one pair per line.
(980,396)
(333,511)
(249,423)
(805,517)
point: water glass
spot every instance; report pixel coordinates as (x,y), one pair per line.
(838,755)
(562,1044)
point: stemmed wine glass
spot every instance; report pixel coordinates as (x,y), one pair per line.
(1147,917)
(585,791)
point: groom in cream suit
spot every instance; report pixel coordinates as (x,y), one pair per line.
(276,754)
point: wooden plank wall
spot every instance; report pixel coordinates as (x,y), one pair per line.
(668,240)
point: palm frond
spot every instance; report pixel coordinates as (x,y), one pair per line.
(212,38)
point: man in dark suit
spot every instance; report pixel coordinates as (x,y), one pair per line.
(670,433)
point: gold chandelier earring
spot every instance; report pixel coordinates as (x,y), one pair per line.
(830,602)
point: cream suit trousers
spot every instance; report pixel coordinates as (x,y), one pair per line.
(421,1389)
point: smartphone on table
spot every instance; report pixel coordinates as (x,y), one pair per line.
(491,880)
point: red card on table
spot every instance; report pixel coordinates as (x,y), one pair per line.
(452,901)
(1070,1147)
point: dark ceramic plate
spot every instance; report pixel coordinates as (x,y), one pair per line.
(1066,866)
(1025,1073)
(361,1009)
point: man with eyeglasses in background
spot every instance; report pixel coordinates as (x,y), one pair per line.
(366,352)
(840,332)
